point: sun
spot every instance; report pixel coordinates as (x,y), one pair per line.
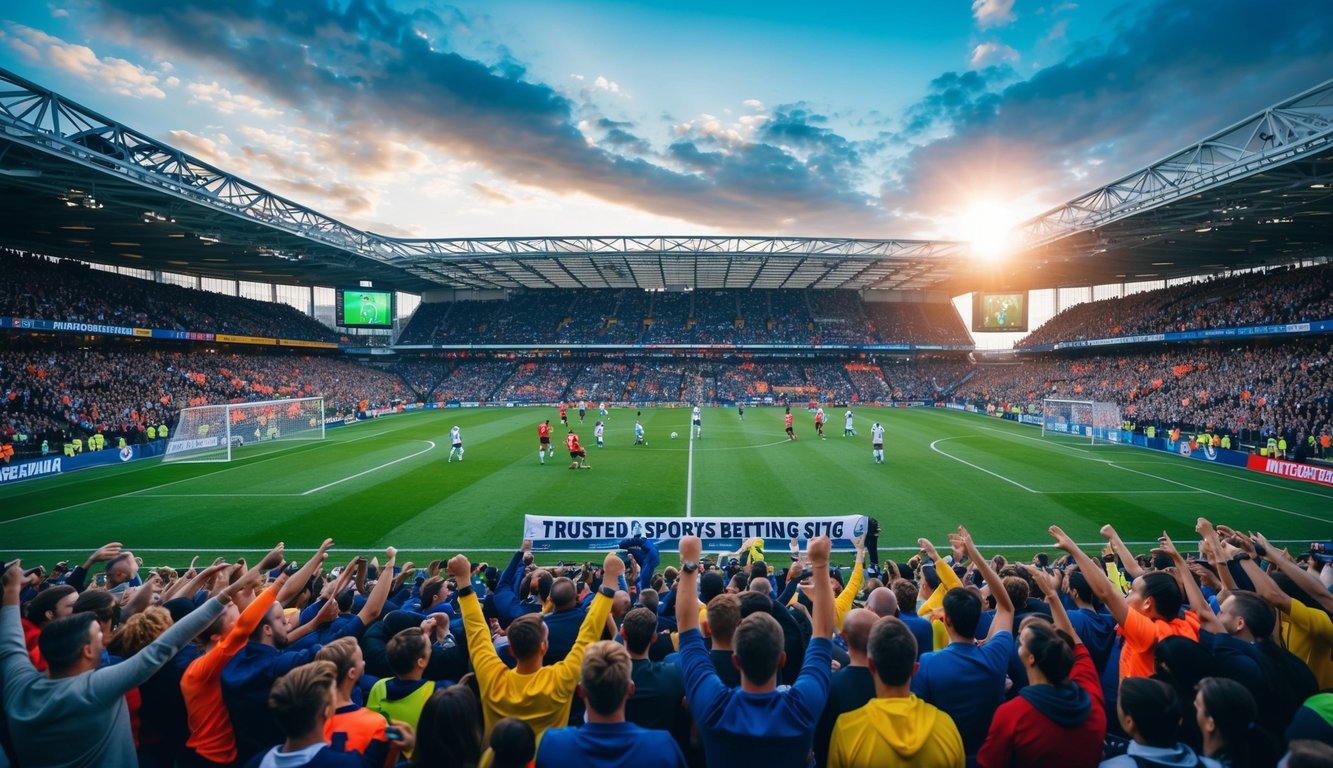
(990,227)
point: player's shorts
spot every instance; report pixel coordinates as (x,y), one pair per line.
(577,454)
(789,430)
(877,446)
(698,422)
(545,440)
(458,445)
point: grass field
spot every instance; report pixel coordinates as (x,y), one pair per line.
(385,482)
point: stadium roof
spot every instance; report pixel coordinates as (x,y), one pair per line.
(74,183)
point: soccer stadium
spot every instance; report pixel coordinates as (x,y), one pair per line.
(735,487)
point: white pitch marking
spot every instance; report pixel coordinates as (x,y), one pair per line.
(431,443)
(934,447)
(1221,495)
(689,478)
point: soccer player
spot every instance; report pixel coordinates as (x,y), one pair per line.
(564,419)
(740,410)
(583,409)
(877,442)
(598,431)
(456,440)
(370,314)
(544,448)
(697,421)
(847,429)
(601,411)
(819,423)
(787,420)
(578,458)
(638,433)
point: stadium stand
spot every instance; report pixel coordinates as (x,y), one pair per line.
(39,288)
(803,318)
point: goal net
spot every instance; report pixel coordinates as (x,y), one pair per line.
(212,432)
(1095,421)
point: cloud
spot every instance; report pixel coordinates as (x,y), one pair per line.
(606,85)
(226,102)
(366,68)
(1110,108)
(989,53)
(993,13)
(115,75)
(490,192)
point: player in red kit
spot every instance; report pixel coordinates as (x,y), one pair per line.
(578,458)
(544,441)
(563,420)
(791,435)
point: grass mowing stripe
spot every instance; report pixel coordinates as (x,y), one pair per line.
(745,469)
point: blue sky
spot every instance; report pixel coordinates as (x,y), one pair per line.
(513,117)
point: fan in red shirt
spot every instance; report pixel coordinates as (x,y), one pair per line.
(578,457)
(1059,719)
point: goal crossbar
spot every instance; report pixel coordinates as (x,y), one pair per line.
(210,433)
(1097,421)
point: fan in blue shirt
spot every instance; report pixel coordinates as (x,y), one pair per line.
(757,723)
(606,739)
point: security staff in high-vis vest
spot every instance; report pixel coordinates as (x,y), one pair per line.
(1282,447)
(1226,442)
(1271,449)
(120,442)
(46,447)
(162,431)
(1150,431)
(152,432)
(78,445)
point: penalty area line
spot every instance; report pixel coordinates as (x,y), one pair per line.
(326,486)
(935,447)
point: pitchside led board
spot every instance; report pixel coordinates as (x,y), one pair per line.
(365,308)
(997,312)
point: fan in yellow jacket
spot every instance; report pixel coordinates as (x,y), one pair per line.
(895,728)
(535,694)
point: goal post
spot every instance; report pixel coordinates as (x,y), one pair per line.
(207,433)
(1097,421)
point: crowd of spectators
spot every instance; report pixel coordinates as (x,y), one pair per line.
(787,317)
(55,395)
(951,658)
(1252,391)
(1283,295)
(38,288)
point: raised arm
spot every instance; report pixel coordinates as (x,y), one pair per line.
(1004,607)
(1047,584)
(1213,544)
(302,577)
(375,603)
(1132,566)
(1097,579)
(1301,577)
(854,583)
(687,586)
(821,592)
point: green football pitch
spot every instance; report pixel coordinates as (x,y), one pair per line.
(385,482)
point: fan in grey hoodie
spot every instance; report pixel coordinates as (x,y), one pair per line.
(78,716)
(1150,713)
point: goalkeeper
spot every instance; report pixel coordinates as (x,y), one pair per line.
(370,314)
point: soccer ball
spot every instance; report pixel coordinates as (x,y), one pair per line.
(674,435)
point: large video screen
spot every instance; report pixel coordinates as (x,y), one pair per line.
(364,308)
(997,312)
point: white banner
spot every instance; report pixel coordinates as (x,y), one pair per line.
(590,534)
